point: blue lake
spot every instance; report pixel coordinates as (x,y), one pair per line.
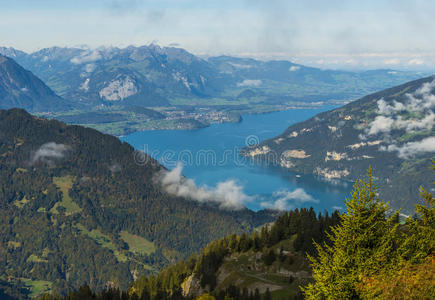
(210,155)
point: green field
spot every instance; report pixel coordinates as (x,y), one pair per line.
(35,258)
(138,244)
(65,184)
(103,240)
(36,287)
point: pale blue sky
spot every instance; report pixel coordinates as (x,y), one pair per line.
(346,33)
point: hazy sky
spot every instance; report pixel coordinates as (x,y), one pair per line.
(329,33)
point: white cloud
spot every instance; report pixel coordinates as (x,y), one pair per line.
(241,66)
(385,109)
(423,98)
(89,68)
(249,82)
(286,200)
(412,148)
(416,61)
(228,194)
(416,124)
(87,57)
(381,124)
(392,61)
(420,107)
(294,68)
(426,88)
(422,101)
(49,151)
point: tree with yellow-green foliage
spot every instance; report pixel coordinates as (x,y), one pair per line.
(414,276)
(409,281)
(371,256)
(361,244)
(420,240)
(205,297)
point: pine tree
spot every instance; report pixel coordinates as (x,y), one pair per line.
(421,238)
(413,276)
(363,242)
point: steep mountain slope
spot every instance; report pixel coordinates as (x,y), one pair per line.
(391,130)
(272,261)
(78,206)
(20,88)
(247,266)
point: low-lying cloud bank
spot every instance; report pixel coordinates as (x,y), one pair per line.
(421,103)
(412,148)
(249,82)
(48,152)
(383,124)
(414,114)
(287,200)
(87,57)
(228,194)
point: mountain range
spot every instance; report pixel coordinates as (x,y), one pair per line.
(107,88)
(392,131)
(158,76)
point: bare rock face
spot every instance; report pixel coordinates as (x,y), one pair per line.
(119,89)
(191,286)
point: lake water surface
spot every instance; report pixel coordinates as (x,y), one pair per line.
(210,155)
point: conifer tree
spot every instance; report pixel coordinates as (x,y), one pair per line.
(413,276)
(363,242)
(420,241)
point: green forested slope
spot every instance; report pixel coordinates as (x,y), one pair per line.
(76,208)
(363,253)
(392,130)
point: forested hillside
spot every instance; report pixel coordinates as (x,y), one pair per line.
(392,130)
(76,207)
(270,262)
(363,253)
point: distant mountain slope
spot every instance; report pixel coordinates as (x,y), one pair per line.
(159,76)
(20,88)
(281,80)
(391,130)
(78,206)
